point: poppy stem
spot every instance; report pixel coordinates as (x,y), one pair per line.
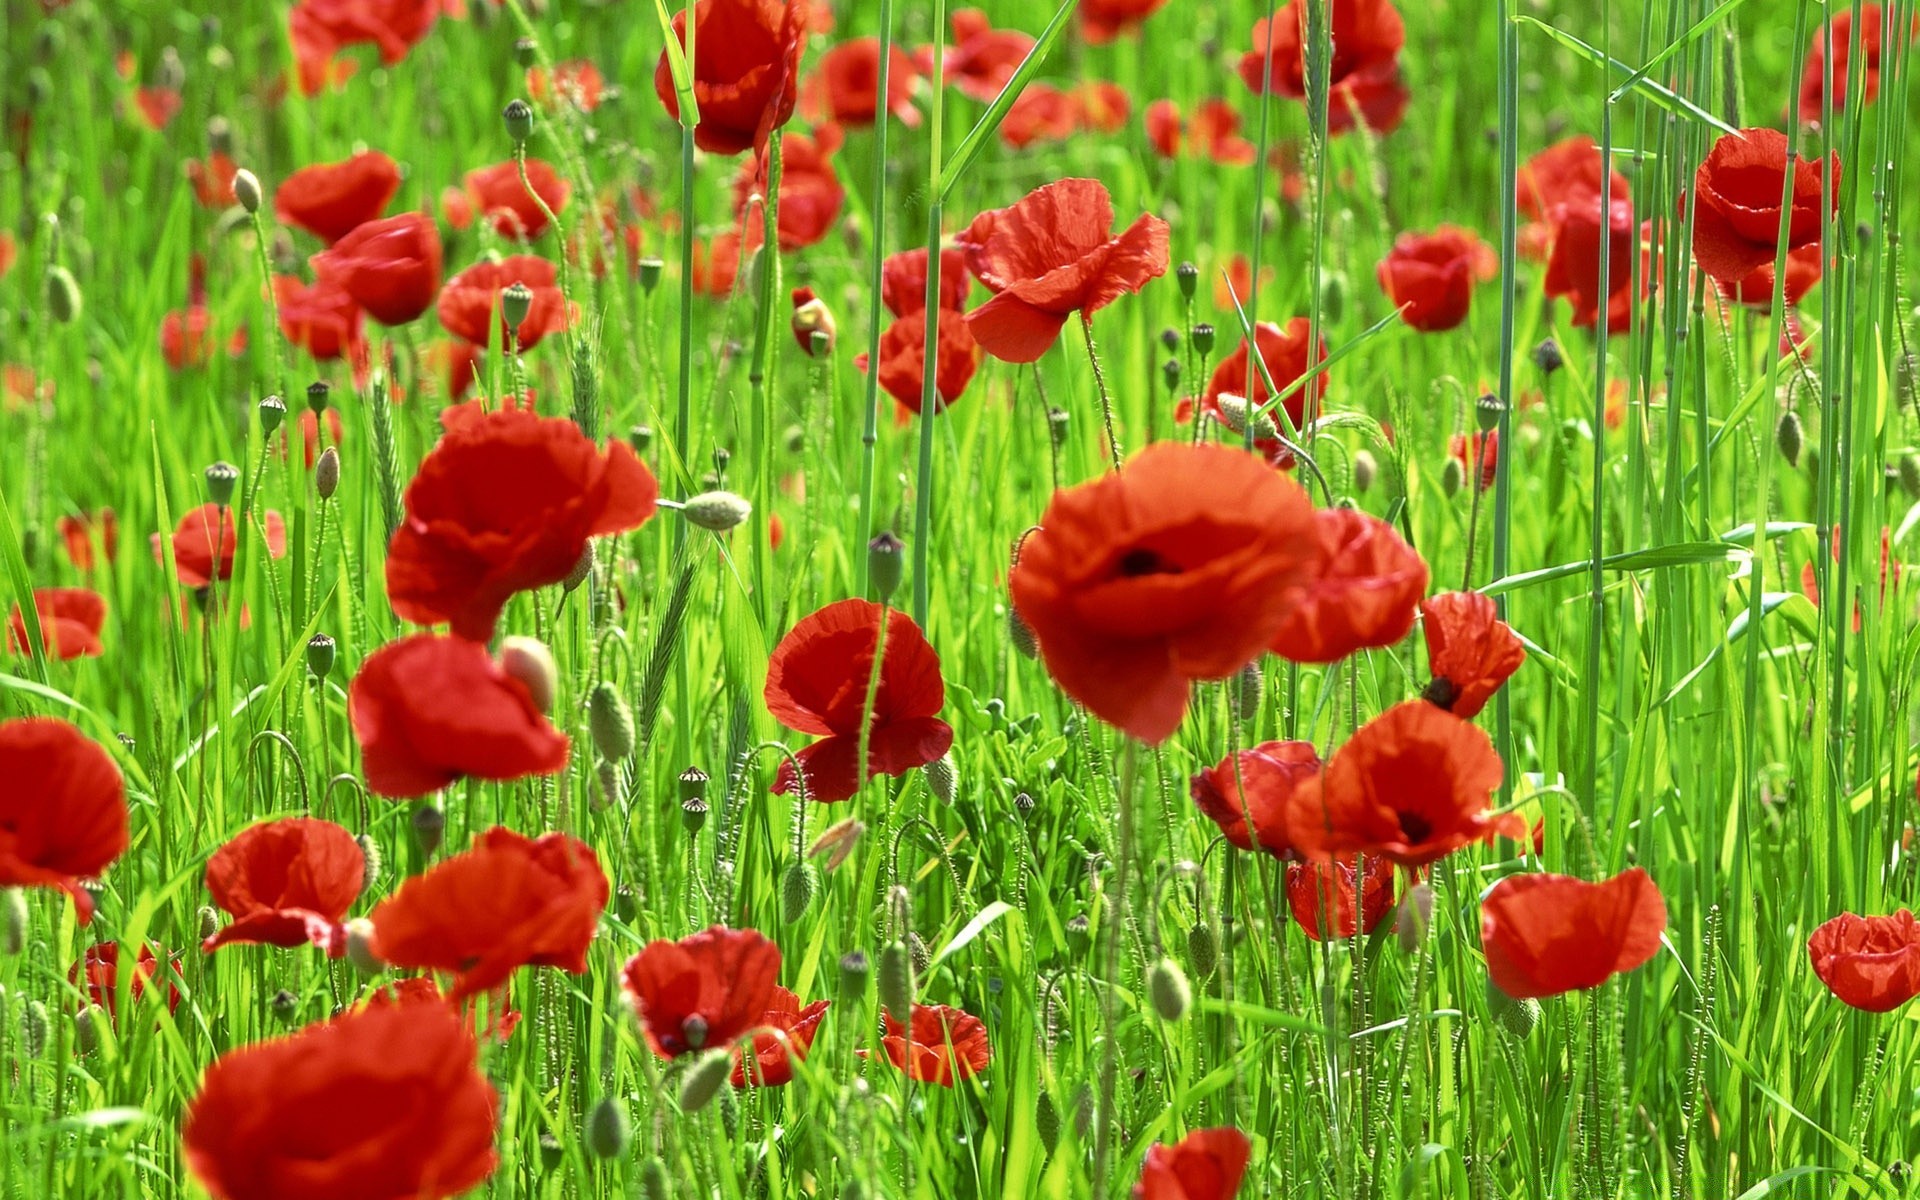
(758,378)
(870,429)
(1112,923)
(1100,381)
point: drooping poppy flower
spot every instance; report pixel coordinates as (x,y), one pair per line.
(703,991)
(1246,794)
(845,85)
(1104,106)
(903,359)
(903,280)
(1411,785)
(1213,132)
(1166,572)
(329,199)
(385,1101)
(428,710)
(578,83)
(503,505)
(99,970)
(1568,169)
(1042,113)
(1430,276)
(983,59)
(63,811)
(1470,651)
(470,300)
(323,318)
(1311,885)
(1867,23)
(787,1034)
(1478,455)
(939,1045)
(1361,592)
(1756,290)
(204,543)
(70,623)
(390,267)
(1365,71)
(1207,1164)
(817,682)
(508,902)
(1549,934)
(502,1019)
(1102,21)
(746,70)
(1053,254)
(1868,963)
(212,180)
(810,192)
(500,196)
(1573,263)
(286,883)
(85,533)
(1736,223)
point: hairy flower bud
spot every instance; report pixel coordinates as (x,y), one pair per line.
(716,511)
(1171,993)
(529,661)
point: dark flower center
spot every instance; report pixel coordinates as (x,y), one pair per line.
(1415,827)
(1441,693)
(1142,561)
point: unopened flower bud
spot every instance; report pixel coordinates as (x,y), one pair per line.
(1517,1017)
(1235,412)
(429,826)
(649,270)
(320,655)
(91,1026)
(326,473)
(1203,952)
(896,980)
(654,1184)
(854,972)
(221,477)
(1170,373)
(63,295)
(1171,993)
(285,1007)
(1244,689)
(1188,277)
(610,721)
(370,853)
(1415,917)
(942,779)
(1333,296)
(35,1026)
(608,785)
(1453,477)
(716,511)
(886,563)
(1201,336)
(798,883)
(13,920)
(360,953)
(518,116)
(1789,437)
(1364,470)
(207,920)
(607,1131)
(1547,357)
(703,1079)
(811,316)
(272,412)
(246,190)
(1487,411)
(515,302)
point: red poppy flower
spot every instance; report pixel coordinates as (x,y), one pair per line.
(1207,1164)
(983,59)
(9,252)
(63,813)
(1364,73)
(508,902)
(1042,113)
(746,70)
(207,535)
(1252,788)
(286,883)
(386,1101)
(579,84)
(428,710)
(1166,572)
(1214,132)
(157,106)
(310,435)
(100,968)
(1869,963)
(903,359)
(82,534)
(70,623)
(1736,223)
(212,180)
(1053,254)
(503,505)
(940,1045)
(1283,351)
(1573,264)
(1564,171)
(456,208)
(1361,591)
(505,201)
(787,1034)
(1430,276)
(322,318)
(1479,450)
(1311,884)
(903,281)
(389,267)
(329,199)
(1548,934)
(716,264)
(1756,290)
(1838,37)
(845,85)
(810,193)
(321,28)
(1234,282)
(470,299)
(817,683)
(1101,21)
(422,989)
(703,991)
(1470,651)
(1411,785)
(184,337)
(1104,107)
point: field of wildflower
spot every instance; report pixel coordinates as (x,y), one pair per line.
(958,600)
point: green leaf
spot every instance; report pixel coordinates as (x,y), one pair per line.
(677,65)
(987,916)
(22,583)
(989,122)
(1686,39)
(1673,102)
(1680,554)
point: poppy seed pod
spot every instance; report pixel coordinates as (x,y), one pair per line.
(221,477)
(63,295)
(516,301)
(326,473)
(797,886)
(1201,336)
(610,721)
(896,977)
(518,115)
(693,786)
(1170,338)
(429,826)
(1023,804)
(607,1131)
(285,1006)
(693,814)
(360,947)
(855,968)
(1172,994)
(1487,411)
(246,190)
(320,655)
(942,779)
(886,563)
(703,1079)
(716,511)
(649,271)
(1364,470)
(1170,373)
(1203,950)
(13,921)
(1789,438)
(319,394)
(1188,276)
(1547,357)
(272,412)
(529,661)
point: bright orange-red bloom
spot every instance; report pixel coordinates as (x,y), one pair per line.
(1563,171)
(1213,132)
(1411,785)
(205,541)
(508,902)
(817,683)
(810,192)
(428,710)
(1207,1164)
(63,811)
(329,199)
(319,29)
(1141,581)
(787,1034)
(845,85)
(746,70)
(500,196)
(100,968)
(322,318)
(1042,113)
(1052,254)
(903,359)
(502,1018)
(1430,276)
(502,505)
(903,281)
(1478,455)
(70,623)
(1573,263)
(1104,106)
(1869,963)
(212,180)
(157,106)
(982,58)
(716,264)
(1470,651)
(471,299)
(939,1046)
(1283,352)
(9,252)
(390,267)
(1868,23)
(1101,21)
(1246,794)
(1365,72)
(85,533)
(1312,884)
(706,990)
(579,84)
(1756,290)
(286,883)
(1361,591)
(385,1101)
(1548,934)
(1736,222)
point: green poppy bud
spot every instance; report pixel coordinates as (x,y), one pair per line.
(896,980)
(13,920)
(326,473)
(63,295)
(1244,689)
(1171,993)
(855,969)
(797,885)
(246,190)
(1020,635)
(704,1079)
(1203,952)
(886,563)
(942,779)
(529,661)
(429,826)
(607,1131)
(610,721)
(1517,1017)
(716,511)
(519,119)
(1364,471)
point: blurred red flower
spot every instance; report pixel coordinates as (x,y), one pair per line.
(1736,223)
(810,192)
(70,623)
(1104,107)
(845,85)
(1573,261)
(470,299)
(1470,651)
(1283,351)
(1101,21)
(329,199)
(1838,37)
(319,29)
(1207,1164)
(1477,454)
(1360,593)
(322,318)
(1251,789)
(716,264)
(982,58)
(63,811)
(99,967)
(1041,113)
(1570,168)
(212,180)
(157,106)
(704,991)
(1869,963)
(1364,73)
(746,70)
(1548,934)
(1756,289)
(390,267)
(939,1046)
(286,883)
(903,280)
(83,533)
(1213,132)
(423,989)
(903,359)
(205,540)
(505,201)
(1312,883)
(1430,276)
(578,83)
(787,1035)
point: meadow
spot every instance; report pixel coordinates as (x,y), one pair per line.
(514,688)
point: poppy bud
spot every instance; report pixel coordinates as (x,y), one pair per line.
(272,412)
(1487,411)
(1057,421)
(63,295)
(721,457)
(607,1131)
(1789,438)
(208,918)
(359,950)
(1415,916)
(1172,994)
(811,317)
(1517,1017)
(1910,474)
(649,270)
(922,955)
(703,1079)
(1812,455)
(610,721)
(1203,952)
(320,655)
(1904,369)
(172,73)
(1202,338)
(552,1153)
(886,562)
(896,979)
(13,921)
(90,1026)
(518,115)
(525,51)
(1364,469)
(1188,276)
(326,473)
(285,1007)
(1235,412)
(1243,691)
(1170,372)
(797,886)
(528,660)
(370,854)
(838,841)
(246,190)
(221,477)
(653,1180)
(34,1027)
(515,302)
(716,511)
(1333,296)
(1046,1119)
(582,568)
(608,790)
(942,780)
(1453,477)
(429,825)
(854,970)
(1170,338)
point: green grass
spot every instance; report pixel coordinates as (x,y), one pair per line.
(1683,709)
